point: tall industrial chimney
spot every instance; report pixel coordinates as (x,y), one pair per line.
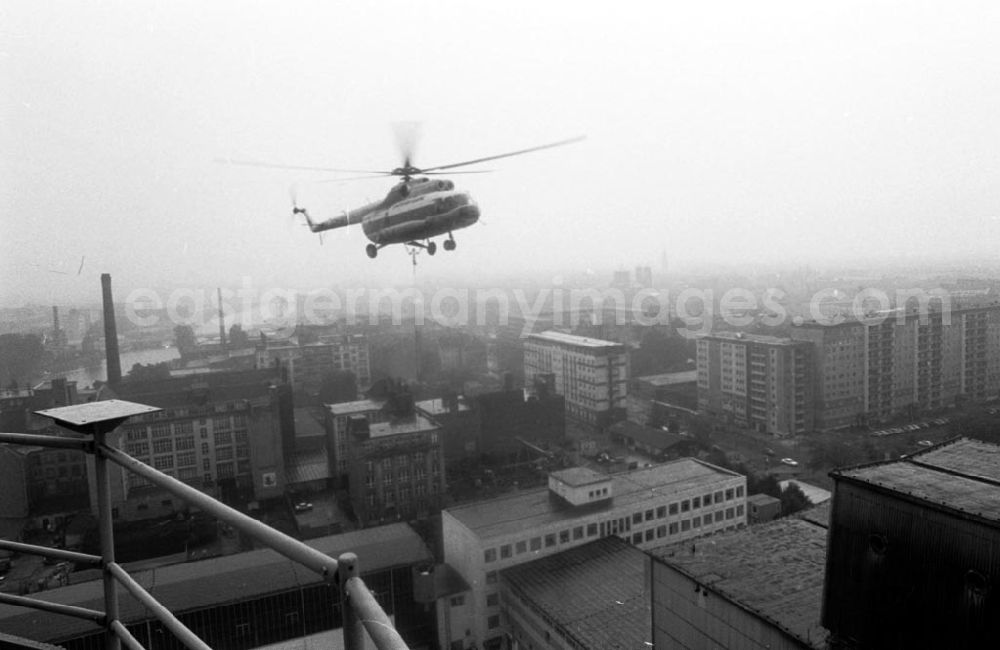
(110,332)
(222,324)
(55,319)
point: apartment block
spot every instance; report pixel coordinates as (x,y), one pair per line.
(763,382)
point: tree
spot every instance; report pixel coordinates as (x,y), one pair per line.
(834,453)
(185,340)
(338,386)
(793,499)
(238,339)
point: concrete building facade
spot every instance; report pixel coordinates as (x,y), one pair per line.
(764,382)
(591,374)
(650,507)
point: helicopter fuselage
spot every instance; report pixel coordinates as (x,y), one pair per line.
(413,210)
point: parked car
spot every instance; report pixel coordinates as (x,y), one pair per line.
(303,506)
(925,443)
(790,461)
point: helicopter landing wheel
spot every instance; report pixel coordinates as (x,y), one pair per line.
(431,248)
(372,250)
(449,244)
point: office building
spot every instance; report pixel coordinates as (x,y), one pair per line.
(308,364)
(395,466)
(763,382)
(649,507)
(591,374)
(338,426)
(221,432)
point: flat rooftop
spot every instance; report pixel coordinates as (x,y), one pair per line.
(416,424)
(229,579)
(607,578)
(961,475)
(533,509)
(775,570)
(438,406)
(755,338)
(579,476)
(358,406)
(573,340)
(670,378)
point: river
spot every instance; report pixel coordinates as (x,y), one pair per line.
(85,377)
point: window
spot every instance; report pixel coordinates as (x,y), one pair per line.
(163,462)
(685,505)
(578,532)
(696,502)
(637,538)
(184,443)
(707,499)
(661,531)
(729,513)
(550,540)
(685,525)
(673,508)
(591,530)
(224,453)
(223,437)
(493,622)
(163,446)
(637,518)
(739,490)
(729,494)
(564,536)
(491,578)
(204,449)
(718,515)
(457,601)
(505,551)
(186,459)
(493,600)
(739,511)
(490,555)
(696,522)
(649,515)
(225,470)
(718,497)
(661,512)
(649,535)
(536,543)
(673,528)
(521,547)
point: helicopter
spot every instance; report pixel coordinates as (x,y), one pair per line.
(415,210)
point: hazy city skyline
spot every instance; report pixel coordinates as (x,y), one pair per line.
(726,133)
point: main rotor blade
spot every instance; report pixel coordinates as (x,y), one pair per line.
(475,171)
(257,163)
(352,178)
(506,155)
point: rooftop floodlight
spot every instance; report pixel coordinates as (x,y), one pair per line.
(96,417)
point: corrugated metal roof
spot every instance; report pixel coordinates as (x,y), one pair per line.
(774,569)
(308,466)
(233,578)
(595,592)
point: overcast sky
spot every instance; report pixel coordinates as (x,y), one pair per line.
(743,132)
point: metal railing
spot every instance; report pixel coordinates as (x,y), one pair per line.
(361,612)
